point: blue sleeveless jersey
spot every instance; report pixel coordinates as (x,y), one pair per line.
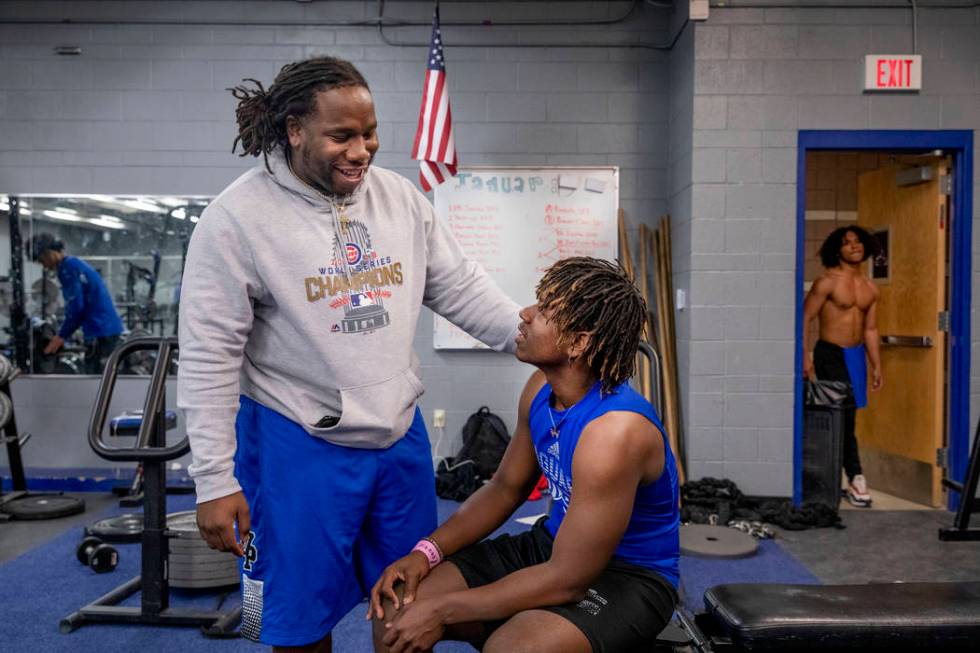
(651,539)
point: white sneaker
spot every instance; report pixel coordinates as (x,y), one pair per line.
(857,492)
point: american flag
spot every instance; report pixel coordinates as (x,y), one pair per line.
(435,148)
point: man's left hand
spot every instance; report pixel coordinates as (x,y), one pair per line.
(54,345)
(876,380)
(416,627)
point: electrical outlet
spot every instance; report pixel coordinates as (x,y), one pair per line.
(438,418)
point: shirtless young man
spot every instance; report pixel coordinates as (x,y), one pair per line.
(846,301)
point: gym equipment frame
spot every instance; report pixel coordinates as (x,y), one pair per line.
(961,531)
(152,451)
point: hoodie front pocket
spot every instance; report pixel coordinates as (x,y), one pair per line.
(377,412)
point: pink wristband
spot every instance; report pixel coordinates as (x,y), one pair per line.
(430,550)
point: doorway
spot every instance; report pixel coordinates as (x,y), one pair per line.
(912,191)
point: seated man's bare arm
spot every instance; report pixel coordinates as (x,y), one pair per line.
(480,514)
(492,504)
(615,454)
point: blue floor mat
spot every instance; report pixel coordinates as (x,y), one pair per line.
(46,584)
(771,564)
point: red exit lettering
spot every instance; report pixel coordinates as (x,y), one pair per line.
(894,73)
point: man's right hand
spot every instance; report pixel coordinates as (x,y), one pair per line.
(807,366)
(410,570)
(216,520)
(56,343)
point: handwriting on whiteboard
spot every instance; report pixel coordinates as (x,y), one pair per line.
(569,231)
(516,222)
(497,183)
(478,230)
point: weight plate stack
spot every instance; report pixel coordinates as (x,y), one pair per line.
(122,528)
(192,564)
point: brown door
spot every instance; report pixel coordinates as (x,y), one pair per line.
(904,425)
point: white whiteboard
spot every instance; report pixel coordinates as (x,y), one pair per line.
(516,222)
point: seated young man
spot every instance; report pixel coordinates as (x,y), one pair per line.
(599,574)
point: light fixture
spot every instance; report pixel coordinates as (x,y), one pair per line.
(142,204)
(108,224)
(4,206)
(59,215)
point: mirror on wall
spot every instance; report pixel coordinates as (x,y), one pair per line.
(136,245)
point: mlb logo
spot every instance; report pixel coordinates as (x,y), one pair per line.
(361,299)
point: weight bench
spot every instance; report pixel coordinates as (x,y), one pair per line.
(872,617)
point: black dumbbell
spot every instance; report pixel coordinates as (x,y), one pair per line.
(96,554)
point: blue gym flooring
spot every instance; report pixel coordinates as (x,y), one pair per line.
(47,583)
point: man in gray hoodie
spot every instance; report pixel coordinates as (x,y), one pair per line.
(300,297)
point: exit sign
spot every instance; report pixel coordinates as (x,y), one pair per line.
(893,72)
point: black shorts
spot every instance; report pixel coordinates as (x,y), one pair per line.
(623,611)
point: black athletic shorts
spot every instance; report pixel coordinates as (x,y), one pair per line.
(623,611)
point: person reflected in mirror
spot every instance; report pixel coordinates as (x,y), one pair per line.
(88,304)
(846,301)
(600,572)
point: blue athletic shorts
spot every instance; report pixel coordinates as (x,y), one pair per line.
(326,521)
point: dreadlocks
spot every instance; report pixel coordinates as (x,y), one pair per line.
(593,295)
(262,114)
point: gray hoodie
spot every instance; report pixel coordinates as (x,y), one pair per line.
(318,328)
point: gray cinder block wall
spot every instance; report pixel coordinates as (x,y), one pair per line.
(681,198)
(759,76)
(707,131)
(144,110)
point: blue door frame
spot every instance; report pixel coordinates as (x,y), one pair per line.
(958,144)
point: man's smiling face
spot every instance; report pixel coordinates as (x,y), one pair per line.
(333,146)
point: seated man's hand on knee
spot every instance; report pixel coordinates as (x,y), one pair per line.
(398,584)
(414,627)
(405,626)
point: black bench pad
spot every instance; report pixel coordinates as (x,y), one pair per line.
(884,616)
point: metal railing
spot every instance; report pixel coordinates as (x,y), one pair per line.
(655,377)
(151,440)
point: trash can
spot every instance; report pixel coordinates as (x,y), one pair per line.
(823,432)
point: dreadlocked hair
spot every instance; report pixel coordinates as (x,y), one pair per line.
(261,113)
(596,296)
